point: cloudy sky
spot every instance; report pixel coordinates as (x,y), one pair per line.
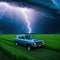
(22,16)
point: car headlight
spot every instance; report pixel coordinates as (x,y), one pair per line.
(43,42)
(34,43)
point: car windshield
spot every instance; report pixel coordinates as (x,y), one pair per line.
(28,37)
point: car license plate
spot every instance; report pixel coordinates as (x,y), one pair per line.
(39,45)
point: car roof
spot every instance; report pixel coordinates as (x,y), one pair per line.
(22,35)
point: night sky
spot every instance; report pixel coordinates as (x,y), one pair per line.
(43,16)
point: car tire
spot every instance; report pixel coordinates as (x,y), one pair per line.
(29,47)
(16,43)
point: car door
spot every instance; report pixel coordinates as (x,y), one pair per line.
(22,40)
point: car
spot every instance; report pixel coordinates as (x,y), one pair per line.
(28,41)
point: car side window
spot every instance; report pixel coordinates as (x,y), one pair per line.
(19,37)
(27,37)
(23,37)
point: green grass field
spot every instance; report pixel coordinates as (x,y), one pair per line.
(3,56)
(52,41)
(49,52)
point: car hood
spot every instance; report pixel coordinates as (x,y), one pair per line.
(36,40)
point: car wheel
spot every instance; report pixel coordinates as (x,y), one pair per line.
(16,43)
(29,47)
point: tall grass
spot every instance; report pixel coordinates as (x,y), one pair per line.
(21,53)
(52,41)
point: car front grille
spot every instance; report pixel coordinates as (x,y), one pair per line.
(38,43)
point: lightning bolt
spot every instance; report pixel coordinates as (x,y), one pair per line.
(54,3)
(26,19)
(23,11)
(3,11)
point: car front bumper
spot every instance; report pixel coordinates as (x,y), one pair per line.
(39,45)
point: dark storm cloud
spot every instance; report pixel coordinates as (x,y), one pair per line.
(14,0)
(33,3)
(45,25)
(52,26)
(8,25)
